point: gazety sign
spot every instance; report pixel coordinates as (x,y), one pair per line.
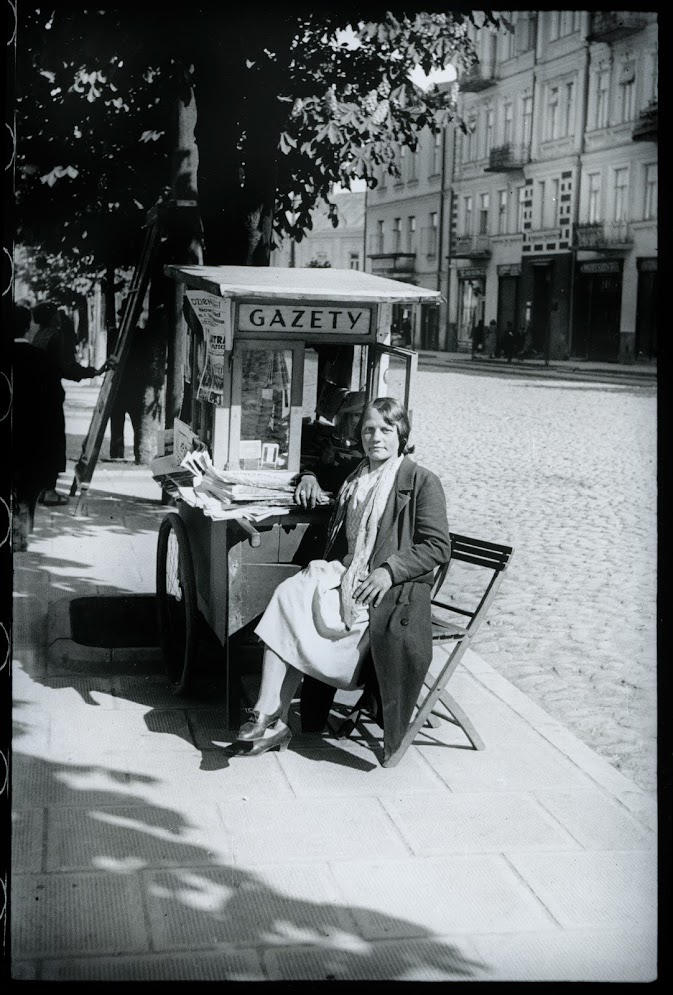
(296,318)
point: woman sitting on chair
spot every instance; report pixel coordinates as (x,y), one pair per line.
(368,600)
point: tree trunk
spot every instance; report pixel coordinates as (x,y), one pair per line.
(179,242)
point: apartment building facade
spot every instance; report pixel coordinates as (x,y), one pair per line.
(407,231)
(550,200)
(324,245)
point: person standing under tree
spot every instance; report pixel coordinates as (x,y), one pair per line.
(37,412)
(60,345)
(130,395)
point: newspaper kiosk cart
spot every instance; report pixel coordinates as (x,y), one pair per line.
(266,353)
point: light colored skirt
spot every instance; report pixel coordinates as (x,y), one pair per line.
(303,625)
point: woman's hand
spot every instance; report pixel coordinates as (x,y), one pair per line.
(372,588)
(308,492)
(110,364)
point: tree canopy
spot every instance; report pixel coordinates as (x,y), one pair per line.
(288,101)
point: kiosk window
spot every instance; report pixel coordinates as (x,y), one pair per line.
(266,388)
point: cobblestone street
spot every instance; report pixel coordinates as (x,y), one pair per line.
(566,473)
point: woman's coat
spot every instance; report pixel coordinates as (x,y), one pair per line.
(413,539)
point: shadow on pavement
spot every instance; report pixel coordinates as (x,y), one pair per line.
(187,892)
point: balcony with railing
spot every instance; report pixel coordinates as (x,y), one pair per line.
(609,26)
(508,158)
(603,235)
(393,264)
(471,247)
(479,77)
(646,128)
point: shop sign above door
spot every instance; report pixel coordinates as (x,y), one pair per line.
(296,318)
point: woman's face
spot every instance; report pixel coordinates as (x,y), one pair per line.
(380,440)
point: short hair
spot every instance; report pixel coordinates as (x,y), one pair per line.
(21,320)
(393,413)
(45,312)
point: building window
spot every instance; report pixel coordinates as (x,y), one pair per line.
(554,204)
(437,155)
(554,24)
(355,260)
(490,128)
(397,235)
(520,208)
(510,38)
(483,214)
(399,180)
(651,191)
(621,194)
(653,81)
(532,29)
(540,206)
(411,234)
(527,121)
(594,198)
(508,132)
(380,232)
(384,177)
(567,21)
(552,118)
(627,92)
(569,109)
(602,98)
(468,215)
(432,243)
(472,139)
(502,212)
(411,165)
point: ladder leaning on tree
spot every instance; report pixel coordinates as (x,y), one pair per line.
(132,309)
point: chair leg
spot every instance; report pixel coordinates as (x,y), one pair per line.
(466,725)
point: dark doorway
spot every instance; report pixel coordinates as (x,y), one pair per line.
(598,300)
(429,326)
(539,319)
(646,315)
(508,299)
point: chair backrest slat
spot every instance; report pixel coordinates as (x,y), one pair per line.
(478,544)
(489,555)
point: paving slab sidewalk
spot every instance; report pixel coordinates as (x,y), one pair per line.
(143,851)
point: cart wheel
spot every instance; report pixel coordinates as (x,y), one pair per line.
(176,599)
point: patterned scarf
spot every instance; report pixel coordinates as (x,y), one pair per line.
(375,503)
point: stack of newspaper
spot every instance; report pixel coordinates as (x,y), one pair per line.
(222,494)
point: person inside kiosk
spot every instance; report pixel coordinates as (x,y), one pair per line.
(360,616)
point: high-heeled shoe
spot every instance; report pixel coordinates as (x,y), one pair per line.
(258,724)
(280,739)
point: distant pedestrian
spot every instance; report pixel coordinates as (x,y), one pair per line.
(491,339)
(509,342)
(477,338)
(60,345)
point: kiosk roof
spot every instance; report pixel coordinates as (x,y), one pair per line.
(275,282)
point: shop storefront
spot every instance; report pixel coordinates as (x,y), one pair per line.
(598,299)
(471,301)
(544,305)
(509,277)
(646,315)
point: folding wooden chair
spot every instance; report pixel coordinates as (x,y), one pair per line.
(493,559)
